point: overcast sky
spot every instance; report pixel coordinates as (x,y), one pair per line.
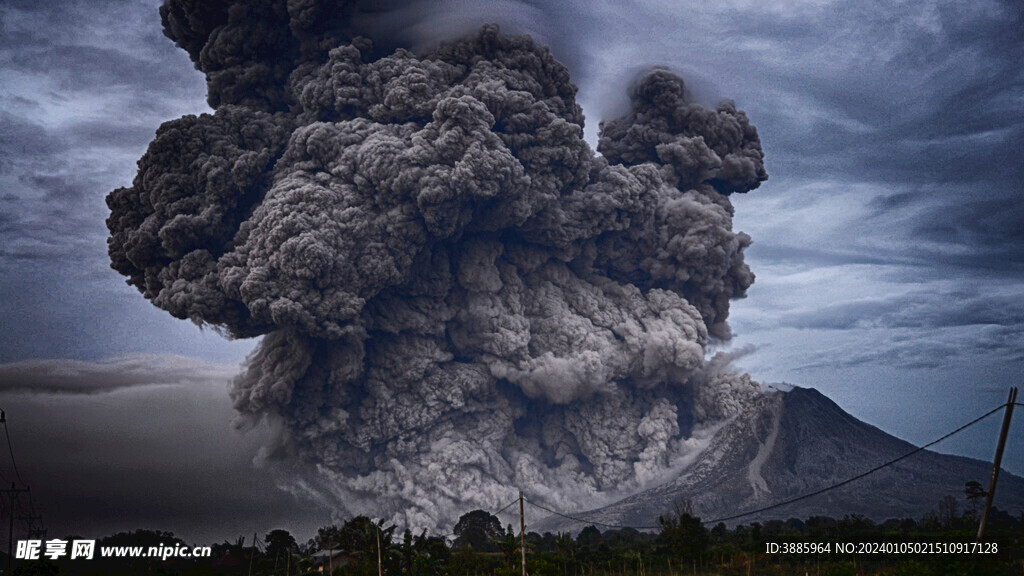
(888,240)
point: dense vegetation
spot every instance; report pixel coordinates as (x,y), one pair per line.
(480,546)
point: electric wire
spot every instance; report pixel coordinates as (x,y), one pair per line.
(10,449)
(506,506)
(798,498)
(452,535)
(32,514)
(567,516)
(859,476)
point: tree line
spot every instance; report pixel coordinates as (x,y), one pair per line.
(480,546)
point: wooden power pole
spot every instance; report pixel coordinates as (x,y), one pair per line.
(522,531)
(13,493)
(998,461)
(380,567)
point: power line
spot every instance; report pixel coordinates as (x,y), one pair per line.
(568,517)
(10,448)
(506,507)
(452,535)
(448,535)
(859,476)
(14,463)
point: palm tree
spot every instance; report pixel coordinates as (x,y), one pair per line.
(509,546)
(566,548)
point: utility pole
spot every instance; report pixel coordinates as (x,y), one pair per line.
(522,531)
(13,493)
(998,460)
(380,569)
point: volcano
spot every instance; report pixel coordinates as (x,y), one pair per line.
(789,443)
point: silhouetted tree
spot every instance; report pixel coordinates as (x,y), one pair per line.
(855,527)
(327,538)
(756,534)
(432,555)
(236,549)
(720,532)
(566,549)
(509,546)
(589,537)
(682,532)
(975,494)
(359,537)
(821,527)
(280,546)
(477,529)
(407,551)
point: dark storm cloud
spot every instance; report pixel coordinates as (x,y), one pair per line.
(991,226)
(90,68)
(943,326)
(99,135)
(84,92)
(937,117)
(47,227)
(905,97)
(22,139)
(918,309)
(908,354)
(49,206)
(64,308)
(817,255)
(79,52)
(61,63)
(941,348)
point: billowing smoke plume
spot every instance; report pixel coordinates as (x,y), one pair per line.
(457,297)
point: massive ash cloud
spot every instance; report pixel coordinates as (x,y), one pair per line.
(457,297)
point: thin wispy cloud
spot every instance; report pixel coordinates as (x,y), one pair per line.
(62,376)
